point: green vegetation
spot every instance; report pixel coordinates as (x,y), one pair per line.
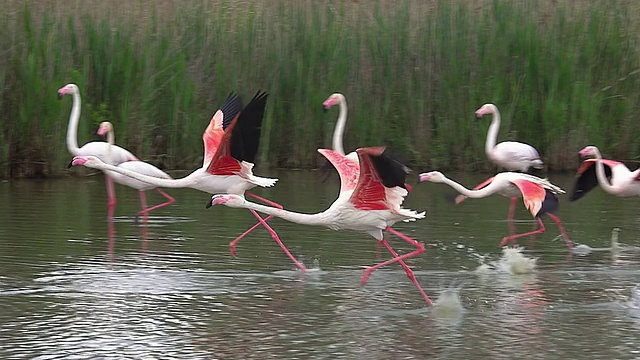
(564,74)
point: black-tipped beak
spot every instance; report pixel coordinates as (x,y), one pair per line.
(59,96)
(70,164)
(324,109)
(210,203)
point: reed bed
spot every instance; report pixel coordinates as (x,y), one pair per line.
(564,74)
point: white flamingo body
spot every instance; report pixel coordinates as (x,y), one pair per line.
(137,167)
(511,155)
(622,182)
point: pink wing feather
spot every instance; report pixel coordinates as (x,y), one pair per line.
(370,193)
(347,169)
(532,194)
(212,137)
(590,162)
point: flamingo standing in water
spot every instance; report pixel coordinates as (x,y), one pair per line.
(111,154)
(372,206)
(613,176)
(106,129)
(511,155)
(538,196)
(231,144)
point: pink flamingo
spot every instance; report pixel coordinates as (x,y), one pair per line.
(511,155)
(538,196)
(109,153)
(613,176)
(373,205)
(231,144)
(106,129)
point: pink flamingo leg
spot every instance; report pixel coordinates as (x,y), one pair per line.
(232,245)
(145,210)
(419,250)
(517,236)
(512,210)
(407,270)
(110,192)
(275,237)
(561,228)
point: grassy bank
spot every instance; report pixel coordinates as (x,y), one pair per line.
(564,75)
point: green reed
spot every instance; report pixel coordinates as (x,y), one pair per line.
(563,76)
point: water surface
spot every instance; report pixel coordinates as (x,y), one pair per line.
(168,287)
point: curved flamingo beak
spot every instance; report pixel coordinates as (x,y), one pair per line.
(78,161)
(209,204)
(424,177)
(327,104)
(102,131)
(479,114)
(60,95)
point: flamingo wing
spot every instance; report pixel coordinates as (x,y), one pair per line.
(348,169)
(533,194)
(221,120)
(377,173)
(586,178)
(240,140)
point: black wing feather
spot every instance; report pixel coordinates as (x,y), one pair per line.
(587,181)
(550,203)
(245,136)
(230,109)
(391,172)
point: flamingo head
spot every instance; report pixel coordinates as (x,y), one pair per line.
(230,200)
(588,151)
(485,109)
(105,128)
(332,100)
(67,89)
(88,161)
(432,176)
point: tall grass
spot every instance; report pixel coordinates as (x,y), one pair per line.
(563,74)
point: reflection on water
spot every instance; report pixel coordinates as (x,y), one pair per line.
(74,285)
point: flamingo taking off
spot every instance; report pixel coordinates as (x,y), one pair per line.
(106,129)
(613,176)
(372,206)
(539,196)
(231,143)
(112,154)
(510,155)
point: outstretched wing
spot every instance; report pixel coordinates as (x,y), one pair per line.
(377,173)
(586,178)
(348,169)
(212,135)
(241,139)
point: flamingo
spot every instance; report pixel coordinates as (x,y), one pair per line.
(539,196)
(112,154)
(613,176)
(231,143)
(106,129)
(511,155)
(372,206)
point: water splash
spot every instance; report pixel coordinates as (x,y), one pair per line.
(448,308)
(514,262)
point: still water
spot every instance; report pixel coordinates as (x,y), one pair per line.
(168,287)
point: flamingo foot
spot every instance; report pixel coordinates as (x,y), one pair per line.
(512,238)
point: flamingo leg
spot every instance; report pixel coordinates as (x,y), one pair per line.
(419,250)
(275,237)
(512,210)
(517,236)
(232,245)
(110,192)
(406,269)
(561,228)
(145,210)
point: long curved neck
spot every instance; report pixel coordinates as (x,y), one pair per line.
(72,130)
(187,181)
(492,134)
(111,139)
(602,178)
(338,132)
(298,218)
(484,192)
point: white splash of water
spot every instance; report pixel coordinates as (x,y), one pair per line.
(514,262)
(448,306)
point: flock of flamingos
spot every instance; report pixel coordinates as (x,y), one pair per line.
(372,184)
